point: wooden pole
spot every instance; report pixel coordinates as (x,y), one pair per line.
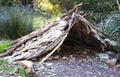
(118,4)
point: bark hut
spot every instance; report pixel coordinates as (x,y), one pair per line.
(47,40)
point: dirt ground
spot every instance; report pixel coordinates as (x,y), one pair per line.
(73,61)
(76,61)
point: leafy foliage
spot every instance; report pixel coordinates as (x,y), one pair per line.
(9,70)
(96,10)
(15,21)
(47,7)
(4,44)
(5,68)
(3,65)
(22,72)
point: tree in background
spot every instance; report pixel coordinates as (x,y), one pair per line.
(96,10)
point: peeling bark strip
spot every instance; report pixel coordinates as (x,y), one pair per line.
(49,38)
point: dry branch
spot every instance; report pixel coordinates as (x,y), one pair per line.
(71,11)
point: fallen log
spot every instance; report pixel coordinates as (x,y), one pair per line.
(49,38)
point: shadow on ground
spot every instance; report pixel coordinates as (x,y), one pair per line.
(76,61)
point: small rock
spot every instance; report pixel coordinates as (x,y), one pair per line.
(48,64)
(72,58)
(103,56)
(1,72)
(65,58)
(84,53)
(112,55)
(27,66)
(111,62)
(56,57)
(34,39)
(99,73)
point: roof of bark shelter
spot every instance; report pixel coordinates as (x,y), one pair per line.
(49,38)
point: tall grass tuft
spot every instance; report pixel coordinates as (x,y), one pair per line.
(15,21)
(4,44)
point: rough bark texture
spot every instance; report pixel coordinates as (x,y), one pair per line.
(49,38)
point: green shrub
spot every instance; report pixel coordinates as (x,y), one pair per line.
(22,72)
(10,70)
(112,26)
(15,21)
(3,64)
(4,44)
